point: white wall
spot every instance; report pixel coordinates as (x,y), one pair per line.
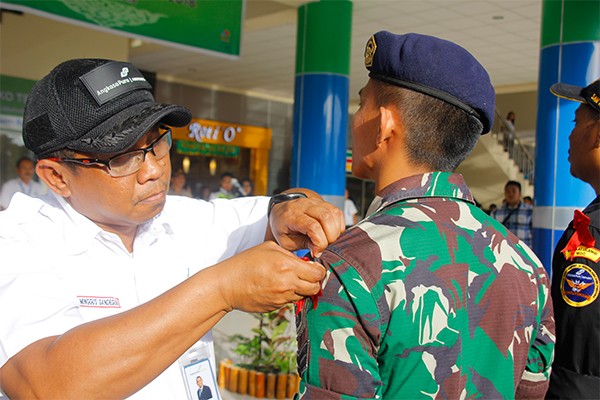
(31,46)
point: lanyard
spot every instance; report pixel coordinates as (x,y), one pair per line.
(505,220)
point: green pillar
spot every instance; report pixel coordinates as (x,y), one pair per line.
(570,53)
(321,98)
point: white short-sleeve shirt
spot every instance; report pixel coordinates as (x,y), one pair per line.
(349,212)
(16,185)
(59,270)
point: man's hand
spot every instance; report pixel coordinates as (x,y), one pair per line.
(266,277)
(305,223)
(153,335)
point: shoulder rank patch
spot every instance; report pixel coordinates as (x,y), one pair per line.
(579,285)
(591,253)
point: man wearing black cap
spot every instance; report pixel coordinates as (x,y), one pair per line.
(114,280)
(428,296)
(576,261)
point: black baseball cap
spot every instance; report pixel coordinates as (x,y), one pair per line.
(93,106)
(589,94)
(434,67)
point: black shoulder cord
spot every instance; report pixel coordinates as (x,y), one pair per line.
(510,213)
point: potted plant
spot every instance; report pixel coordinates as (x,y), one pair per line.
(267,358)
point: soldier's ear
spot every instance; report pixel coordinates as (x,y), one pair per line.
(387,124)
(390,124)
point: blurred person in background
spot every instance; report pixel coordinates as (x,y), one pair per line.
(350,211)
(514,214)
(179,186)
(205,192)
(508,130)
(226,188)
(23,183)
(247,187)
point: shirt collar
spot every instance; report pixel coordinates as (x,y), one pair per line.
(157,225)
(594,205)
(431,184)
(78,231)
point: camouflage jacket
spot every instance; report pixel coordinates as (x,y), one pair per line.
(428,297)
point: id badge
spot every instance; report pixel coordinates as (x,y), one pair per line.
(198,375)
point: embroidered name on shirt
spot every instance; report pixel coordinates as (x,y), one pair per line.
(99,302)
(590,253)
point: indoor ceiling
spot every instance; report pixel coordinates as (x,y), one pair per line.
(502,34)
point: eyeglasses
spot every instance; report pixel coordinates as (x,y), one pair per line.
(129,162)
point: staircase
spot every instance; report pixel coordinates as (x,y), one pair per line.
(489,167)
(515,149)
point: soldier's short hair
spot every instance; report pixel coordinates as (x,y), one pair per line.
(440,135)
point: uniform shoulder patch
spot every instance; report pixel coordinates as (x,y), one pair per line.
(579,285)
(591,253)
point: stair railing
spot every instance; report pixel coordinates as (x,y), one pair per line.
(514,147)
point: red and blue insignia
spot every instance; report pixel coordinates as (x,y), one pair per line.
(581,243)
(579,285)
(314,298)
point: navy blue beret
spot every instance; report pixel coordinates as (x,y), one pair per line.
(434,67)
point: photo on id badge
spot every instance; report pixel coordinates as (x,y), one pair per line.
(200,381)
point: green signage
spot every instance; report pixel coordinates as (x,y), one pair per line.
(193,24)
(13,93)
(570,21)
(206,149)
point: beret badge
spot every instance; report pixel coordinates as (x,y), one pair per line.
(370,51)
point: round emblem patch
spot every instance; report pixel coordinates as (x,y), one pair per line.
(579,285)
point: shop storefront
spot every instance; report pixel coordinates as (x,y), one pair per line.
(205,149)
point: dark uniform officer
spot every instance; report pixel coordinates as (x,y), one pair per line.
(576,262)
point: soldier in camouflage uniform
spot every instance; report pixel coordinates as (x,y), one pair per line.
(428,296)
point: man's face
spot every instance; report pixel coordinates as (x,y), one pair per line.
(179,181)
(226,183)
(512,194)
(199,381)
(123,202)
(583,143)
(247,187)
(365,127)
(25,170)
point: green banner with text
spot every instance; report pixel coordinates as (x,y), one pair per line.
(206,149)
(13,93)
(196,25)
